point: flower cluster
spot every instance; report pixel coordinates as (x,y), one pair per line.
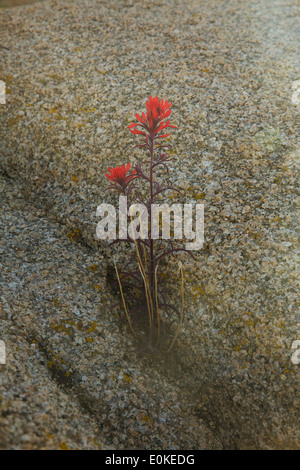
(118,175)
(155,119)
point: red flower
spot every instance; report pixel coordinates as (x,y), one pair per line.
(119,175)
(155,120)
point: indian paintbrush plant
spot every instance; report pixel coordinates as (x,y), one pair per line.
(139,279)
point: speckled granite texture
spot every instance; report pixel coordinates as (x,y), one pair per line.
(75,74)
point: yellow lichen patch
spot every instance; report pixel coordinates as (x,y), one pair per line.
(68,326)
(199,196)
(14,120)
(94,267)
(197,291)
(92,327)
(75,179)
(238,346)
(254,234)
(50,436)
(195,194)
(63,327)
(88,110)
(63,446)
(56,303)
(163,275)
(55,361)
(122,376)
(74,236)
(147,419)
(277,219)
(55,76)
(126,379)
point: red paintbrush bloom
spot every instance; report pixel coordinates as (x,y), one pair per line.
(155,120)
(119,175)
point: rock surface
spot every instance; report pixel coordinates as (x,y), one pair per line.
(75,74)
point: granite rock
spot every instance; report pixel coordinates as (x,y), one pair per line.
(75,74)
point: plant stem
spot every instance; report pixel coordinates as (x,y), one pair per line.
(152,260)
